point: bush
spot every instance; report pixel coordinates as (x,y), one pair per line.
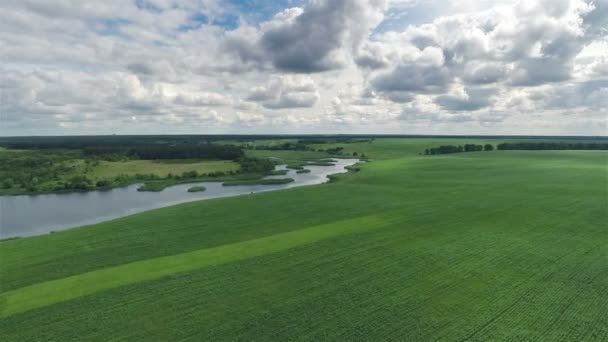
(190,174)
(104,183)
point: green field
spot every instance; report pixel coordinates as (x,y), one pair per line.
(160,168)
(480,246)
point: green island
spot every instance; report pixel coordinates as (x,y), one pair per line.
(198,188)
(303,171)
(480,245)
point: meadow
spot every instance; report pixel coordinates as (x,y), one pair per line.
(160,168)
(478,246)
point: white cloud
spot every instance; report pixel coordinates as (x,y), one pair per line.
(461,66)
(288,91)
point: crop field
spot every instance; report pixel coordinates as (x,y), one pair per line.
(478,246)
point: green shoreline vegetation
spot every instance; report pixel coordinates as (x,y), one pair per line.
(299,166)
(320,164)
(162,184)
(477,246)
(53,165)
(271,181)
(278,172)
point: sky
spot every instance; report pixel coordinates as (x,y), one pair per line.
(487,67)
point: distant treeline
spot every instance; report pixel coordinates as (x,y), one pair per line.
(79,141)
(277,147)
(297,146)
(139,150)
(445,149)
(343,140)
(227,152)
(552,146)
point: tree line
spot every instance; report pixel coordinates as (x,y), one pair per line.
(111,150)
(279,147)
(445,149)
(226,152)
(552,146)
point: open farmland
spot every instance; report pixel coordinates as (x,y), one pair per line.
(480,246)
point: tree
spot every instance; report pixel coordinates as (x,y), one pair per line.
(488,147)
(7,183)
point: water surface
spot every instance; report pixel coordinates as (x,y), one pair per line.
(30,215)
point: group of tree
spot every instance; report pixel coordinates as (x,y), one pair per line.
(336,140)
(335,150)
(194,174)
(445,149)
(255,165)
(158,151)
(546,145)
(30,169)
(289,146)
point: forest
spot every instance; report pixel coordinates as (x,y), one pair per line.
(445,149)
(552,145)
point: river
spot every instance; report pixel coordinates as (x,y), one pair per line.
(30,215)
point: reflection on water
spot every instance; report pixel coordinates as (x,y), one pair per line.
(41,214)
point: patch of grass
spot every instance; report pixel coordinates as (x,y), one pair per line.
(303,171)
(109,170)
(198,188)
(270,181)
(54,291)
(509,245)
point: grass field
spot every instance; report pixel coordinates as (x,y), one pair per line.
(484,246)
(107,170)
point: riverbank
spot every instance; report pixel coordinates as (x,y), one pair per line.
(40,214)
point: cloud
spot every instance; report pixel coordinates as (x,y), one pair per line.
(289,91)
(423,72)
(528,44)
(466,99)
(484,72)
(499,66)
(312,39)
